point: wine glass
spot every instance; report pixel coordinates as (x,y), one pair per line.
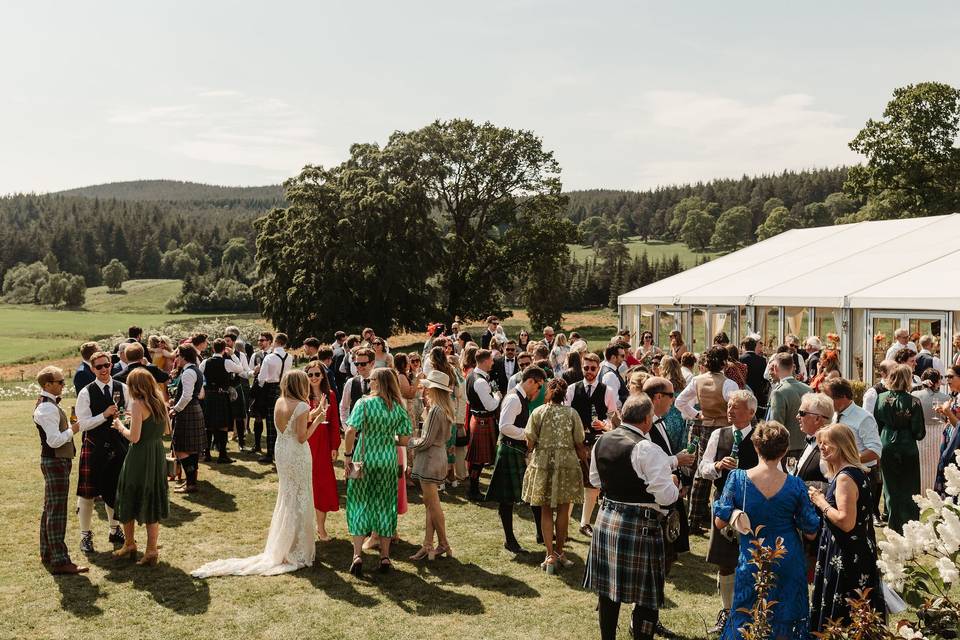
(792,465)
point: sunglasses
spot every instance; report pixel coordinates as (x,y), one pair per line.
(591,368)
(362,364)
(98,367)
(315,374)
(804,414)
(669,394)
(60,381)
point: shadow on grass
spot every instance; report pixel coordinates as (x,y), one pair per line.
(452,571)
(241,471)
(692,574)
(212,497)
(169,586)
(79,595)
(180,515)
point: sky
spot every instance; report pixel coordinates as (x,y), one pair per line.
(628,95)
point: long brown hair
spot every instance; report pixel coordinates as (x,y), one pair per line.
(324,383)
(670,369)
(384,385)
(143,387)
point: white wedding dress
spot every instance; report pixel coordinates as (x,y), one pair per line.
(290,542)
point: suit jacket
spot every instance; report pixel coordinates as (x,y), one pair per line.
(756,367)
(682,543)
(158,374)
(83,376)
(499,373)
(810,471)
(485,339)
(784,404)
(812,361)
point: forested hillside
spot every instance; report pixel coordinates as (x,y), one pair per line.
(178,191)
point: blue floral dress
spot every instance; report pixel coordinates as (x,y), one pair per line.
(782,515)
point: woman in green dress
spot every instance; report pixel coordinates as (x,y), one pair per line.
(142,488)
(553,479)
(377,424)
(900,420)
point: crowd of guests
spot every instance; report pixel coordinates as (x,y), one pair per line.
(672,444)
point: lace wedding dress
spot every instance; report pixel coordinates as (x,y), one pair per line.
(290,542)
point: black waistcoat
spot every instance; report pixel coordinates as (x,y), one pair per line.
(215,375)
(746,457)
(583,403)
(196,388)
(99,404)
(618,479)
(520,421)
(476,404)
(623,392)
(356,390)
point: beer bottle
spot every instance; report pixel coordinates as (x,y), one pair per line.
(737,439)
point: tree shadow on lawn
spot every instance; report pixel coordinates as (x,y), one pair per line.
(408,590)
(179,515)
(692,574)
(168,585)
(210,496)
(242,471)
(79,595)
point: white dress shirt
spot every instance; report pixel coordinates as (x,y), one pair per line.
(937,362)
(864,427)
(896,347)
(511,408)
(188,381)
(232,366)
(609,397)
(85,417)
(687,400)
(608,376)
(481,385)
(273,366)
(47,415)
(346,399)
(650,464)
(870,400)
(707,469)
(510,366)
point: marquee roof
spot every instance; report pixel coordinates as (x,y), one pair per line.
(913,263)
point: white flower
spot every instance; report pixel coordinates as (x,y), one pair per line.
(949,531)
(921,536)
(948,570)
(952,475)
(929,501)
(909,634)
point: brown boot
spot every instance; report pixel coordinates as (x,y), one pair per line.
(67,568)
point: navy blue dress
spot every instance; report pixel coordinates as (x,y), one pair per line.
(782,515)
(846,561)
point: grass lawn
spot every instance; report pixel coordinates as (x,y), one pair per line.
(142,296)
(655,250)
(482,593)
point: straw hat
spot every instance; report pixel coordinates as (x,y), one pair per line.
(438,380)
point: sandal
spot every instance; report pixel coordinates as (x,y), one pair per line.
(549,565)
(424,552)
(356,567)
(563,561)
(385,565)
(445,550)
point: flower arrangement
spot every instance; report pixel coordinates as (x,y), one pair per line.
(765,560)
(880,337)
(834,340)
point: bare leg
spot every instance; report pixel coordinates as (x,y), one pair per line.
(563,525)
(431,499)
(590,496)
(357,546)
(385,546)
(129,531)
(322,524)
(546,523)
(153,534)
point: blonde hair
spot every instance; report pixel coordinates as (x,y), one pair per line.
(443,399)
(900,378)
(561,340)
(153,342)
(384,385)
(670,369)
(295,385)
(143,387)
(636,380)
(841,436)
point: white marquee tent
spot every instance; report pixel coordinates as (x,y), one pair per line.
(859,281)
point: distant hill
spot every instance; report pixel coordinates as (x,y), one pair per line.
(177,191)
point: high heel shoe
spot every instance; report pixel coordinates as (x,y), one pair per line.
(445,550)
(564,561)
(424,552)
(356,567)
(385,565)
(126,551)
(149,559)
(549,565)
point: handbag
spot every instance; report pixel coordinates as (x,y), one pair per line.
(739,523)
(354,469)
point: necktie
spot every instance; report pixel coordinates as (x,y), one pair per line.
(366,386)
(589,390)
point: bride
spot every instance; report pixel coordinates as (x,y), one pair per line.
(290,542)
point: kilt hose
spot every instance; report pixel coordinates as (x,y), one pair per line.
(700,515)
(506,482)
(626,558)
(189,430)
(53,520)
(483,440)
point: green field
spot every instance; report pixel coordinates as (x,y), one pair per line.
(655,250)
(482,593)
(142,296)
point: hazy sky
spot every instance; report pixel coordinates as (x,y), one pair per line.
(627,94)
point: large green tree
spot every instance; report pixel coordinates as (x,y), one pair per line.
(114,274)
(358,246)
(732,229)
(697,229)
(492,189)
(913,163)
(780,219)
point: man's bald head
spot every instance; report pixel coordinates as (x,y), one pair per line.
(660,391)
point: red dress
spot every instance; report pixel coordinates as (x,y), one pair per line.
(325,438)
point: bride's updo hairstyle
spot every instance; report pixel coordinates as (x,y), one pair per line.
(771,440)
(295,385)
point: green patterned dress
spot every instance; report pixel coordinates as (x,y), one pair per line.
(372,499)
(142,487)
(553,476)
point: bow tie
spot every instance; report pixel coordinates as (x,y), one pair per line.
(811,439)
(57,400)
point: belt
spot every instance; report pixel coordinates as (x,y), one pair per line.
(648,510)
(512,442)
(484,414)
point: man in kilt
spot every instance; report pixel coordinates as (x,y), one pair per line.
(257,399)
(506,483)
(186,416)
(240,383)
(219,373)
(56,459)
(626,558)
(484,402)
(103,450)
(271,372)
(719,459)
(710,390)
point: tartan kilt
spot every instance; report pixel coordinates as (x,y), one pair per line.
(700,515)
(189,430)
(238,408)
(85,486)
(100,466)
(53,520)
(217,414)
(257,402)
(271,393)
(506,482)
(626,558)
(483,440)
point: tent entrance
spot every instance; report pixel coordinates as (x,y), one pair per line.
(881,326)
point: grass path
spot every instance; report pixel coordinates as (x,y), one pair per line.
(482,593)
